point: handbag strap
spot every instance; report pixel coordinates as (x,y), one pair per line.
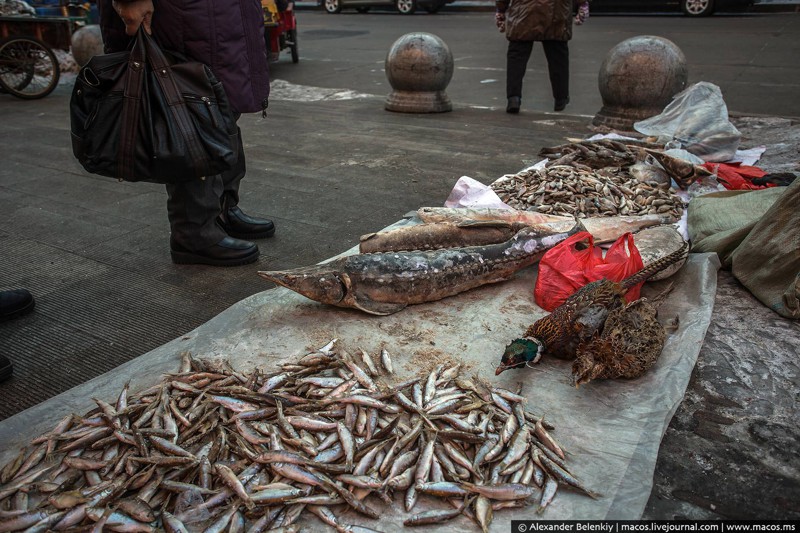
(131,110)
(177,105)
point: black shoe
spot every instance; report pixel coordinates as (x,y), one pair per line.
(6,368)
(513,104)
(227,252)
(14,303)
(237,224)
(561,104)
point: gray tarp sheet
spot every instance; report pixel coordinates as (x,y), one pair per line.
(611,430)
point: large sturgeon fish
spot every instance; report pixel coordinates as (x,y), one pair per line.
(603,229)
(437,235)
(384,283)
(451,228)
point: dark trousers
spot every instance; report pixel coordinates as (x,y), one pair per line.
(193,206)
(557,54)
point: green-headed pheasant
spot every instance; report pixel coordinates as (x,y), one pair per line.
(579,319)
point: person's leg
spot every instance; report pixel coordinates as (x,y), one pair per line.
(193,208)
(233,177)
(516,63)
(557,54)
(232,219)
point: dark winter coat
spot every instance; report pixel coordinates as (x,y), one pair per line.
(537,20)
(226,35)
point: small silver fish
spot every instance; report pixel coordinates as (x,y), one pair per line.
(386,361)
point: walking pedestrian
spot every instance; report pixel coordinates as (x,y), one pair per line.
(548,21)
(207,226)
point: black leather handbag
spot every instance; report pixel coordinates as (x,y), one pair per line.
(143,115)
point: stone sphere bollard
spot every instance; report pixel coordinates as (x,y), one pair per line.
(419,66)
(87,43)
(637,79)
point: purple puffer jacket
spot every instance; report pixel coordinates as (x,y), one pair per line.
(226,35)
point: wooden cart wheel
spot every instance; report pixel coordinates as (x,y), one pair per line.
(28,68)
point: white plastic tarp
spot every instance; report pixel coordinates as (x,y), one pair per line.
(611,429)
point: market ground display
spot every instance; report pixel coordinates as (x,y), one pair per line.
(717,412)
(611,429)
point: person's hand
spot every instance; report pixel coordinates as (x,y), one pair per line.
(135,14)
(500,21)
(583,13)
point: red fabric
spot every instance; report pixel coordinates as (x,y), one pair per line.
(735,176)
(564,268)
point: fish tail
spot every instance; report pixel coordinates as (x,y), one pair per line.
(655,267)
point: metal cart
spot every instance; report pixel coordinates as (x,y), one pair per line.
(28,65)
(280,28)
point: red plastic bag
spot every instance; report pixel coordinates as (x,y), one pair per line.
(564,268)
(735,176)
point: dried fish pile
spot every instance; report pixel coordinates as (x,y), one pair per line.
(211,449)
(584,192)
(594,154)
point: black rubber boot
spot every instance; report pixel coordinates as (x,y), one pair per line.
(15,303)
(513,104)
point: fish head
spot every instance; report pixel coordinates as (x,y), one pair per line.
(683,172)
(318,282)
(520,353)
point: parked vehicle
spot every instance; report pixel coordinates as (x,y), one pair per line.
(280,28)
(692,8)
(405,7)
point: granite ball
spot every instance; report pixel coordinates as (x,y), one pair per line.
(637,79)
(87,42)
(419,66)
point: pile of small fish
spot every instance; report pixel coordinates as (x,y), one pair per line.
(585,192)
(212,449)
